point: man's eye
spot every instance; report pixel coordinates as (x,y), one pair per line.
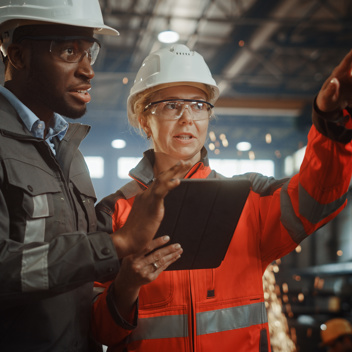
(69,51)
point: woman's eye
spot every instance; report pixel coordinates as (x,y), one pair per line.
(171,106)
(199,106)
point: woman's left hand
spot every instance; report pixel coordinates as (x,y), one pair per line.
(141,268)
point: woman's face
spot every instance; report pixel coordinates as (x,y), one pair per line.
(180,139)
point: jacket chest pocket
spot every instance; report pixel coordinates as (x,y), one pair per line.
(158,293)
(33,195)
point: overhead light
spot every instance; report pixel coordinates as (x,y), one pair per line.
(268,138)
(118,143)
(168,37)
(243,146)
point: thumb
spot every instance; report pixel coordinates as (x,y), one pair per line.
(332,89)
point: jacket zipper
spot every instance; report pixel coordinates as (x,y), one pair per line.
(50,158)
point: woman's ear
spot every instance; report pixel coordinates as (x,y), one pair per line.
(144,125)
(16,56)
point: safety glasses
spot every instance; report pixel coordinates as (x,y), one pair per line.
(71,49)
(173,109)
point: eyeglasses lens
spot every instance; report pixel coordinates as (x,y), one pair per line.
(172,110)
(75,50)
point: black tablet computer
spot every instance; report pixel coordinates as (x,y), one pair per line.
(201,215)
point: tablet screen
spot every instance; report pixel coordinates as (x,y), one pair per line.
(201,215)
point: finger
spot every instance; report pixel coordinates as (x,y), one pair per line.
(333,89)
(169,179)
(155,243)
(327,99)
(166,261)
(158,255)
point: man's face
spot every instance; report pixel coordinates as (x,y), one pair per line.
(55,85)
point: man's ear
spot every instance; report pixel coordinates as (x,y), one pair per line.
(16,56)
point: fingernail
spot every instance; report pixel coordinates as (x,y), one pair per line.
(177,246)
(166,238)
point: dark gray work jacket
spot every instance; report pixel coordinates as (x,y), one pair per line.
(50,250)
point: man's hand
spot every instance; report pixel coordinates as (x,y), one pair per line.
(336,92)
(147,212)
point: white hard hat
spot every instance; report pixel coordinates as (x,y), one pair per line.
(82,13)
(335,328)
(171,66)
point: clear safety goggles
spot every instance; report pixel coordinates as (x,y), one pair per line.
(173,109)
(71,49)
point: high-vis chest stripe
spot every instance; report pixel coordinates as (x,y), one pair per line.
(231,318)
(160,328)
(214,321)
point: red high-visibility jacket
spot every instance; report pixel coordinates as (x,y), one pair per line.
(223,309)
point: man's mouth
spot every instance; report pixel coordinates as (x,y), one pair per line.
(82,95)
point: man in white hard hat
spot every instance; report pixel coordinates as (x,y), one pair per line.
(336,335)
(50,249)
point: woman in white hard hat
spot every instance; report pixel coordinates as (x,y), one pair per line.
(223,309)
(336,335)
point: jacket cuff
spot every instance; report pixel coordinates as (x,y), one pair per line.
(106,263)
(331,124)
(115,313)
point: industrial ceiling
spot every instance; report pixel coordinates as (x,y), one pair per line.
(269,59)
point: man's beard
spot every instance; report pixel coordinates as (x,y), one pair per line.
(73,114)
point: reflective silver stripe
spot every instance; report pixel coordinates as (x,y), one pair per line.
(35,230)
(207,322)
(291,222)
(34,272)
(40,206)
(314,211)
(160,328)
(231,318)
(35,227)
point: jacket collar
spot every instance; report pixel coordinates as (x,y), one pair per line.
(11,123)
(144,173)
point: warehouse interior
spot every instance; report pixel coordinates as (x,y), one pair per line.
(269,59)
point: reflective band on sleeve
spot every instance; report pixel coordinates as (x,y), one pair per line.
(35,230)
(163,327)
(314,211)
(34,271)
(291,222)
(231,318)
